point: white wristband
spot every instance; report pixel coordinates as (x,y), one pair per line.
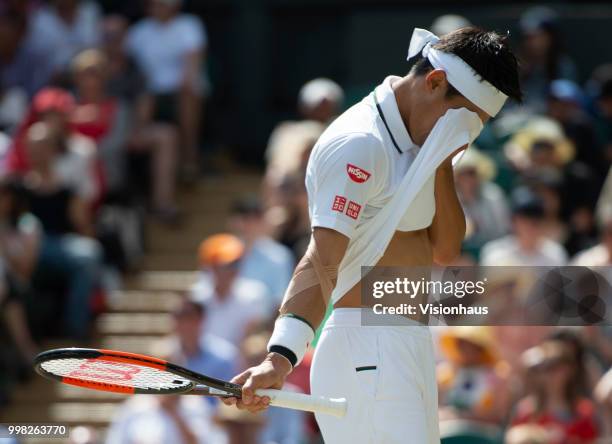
(293,334)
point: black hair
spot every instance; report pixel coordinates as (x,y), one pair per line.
(249,205)
(486,52)
(572,340)
(194,306)
(525,203)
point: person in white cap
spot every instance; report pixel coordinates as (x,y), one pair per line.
(170,49)
(320,100)
(381,192)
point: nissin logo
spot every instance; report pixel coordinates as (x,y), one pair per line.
(357,174)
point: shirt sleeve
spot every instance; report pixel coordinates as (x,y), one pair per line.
(342,177)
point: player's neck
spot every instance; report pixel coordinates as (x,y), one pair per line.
(402,89)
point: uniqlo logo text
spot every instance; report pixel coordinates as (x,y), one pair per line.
(357,174)
(353,210)
(339,204)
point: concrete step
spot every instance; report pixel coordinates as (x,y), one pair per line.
(164,261)
(71,413)
(93,432)
(177,280)
(36,394)
(134,324)
(145,344)
(184,240)
(143,301)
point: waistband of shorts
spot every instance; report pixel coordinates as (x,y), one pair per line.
(356,317)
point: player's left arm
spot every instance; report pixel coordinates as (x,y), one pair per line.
(447,229)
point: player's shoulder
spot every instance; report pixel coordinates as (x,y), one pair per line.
(361,154)
(356,126)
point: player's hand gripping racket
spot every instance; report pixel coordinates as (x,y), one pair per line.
(131,373)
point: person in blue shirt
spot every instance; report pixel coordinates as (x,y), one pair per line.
(265,260)
(209,355)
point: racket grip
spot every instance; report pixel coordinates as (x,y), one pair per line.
(308,403)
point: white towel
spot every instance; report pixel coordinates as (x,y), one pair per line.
(456,128)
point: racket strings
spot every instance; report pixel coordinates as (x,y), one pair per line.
(117,373)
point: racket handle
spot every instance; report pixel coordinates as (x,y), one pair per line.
(308,403)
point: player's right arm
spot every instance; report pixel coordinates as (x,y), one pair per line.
(310,305)
(340,182)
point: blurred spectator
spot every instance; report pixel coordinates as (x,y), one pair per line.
(601,82)
(582,230)
(62,28)
(170,49)
(164,419)
(242,427)
(547,185)
(603,395)
(473,381)
(527,245)
(75,164)
(125,79)
(291,219)
(100,117)
(84,435)
(66,247)
(542,56)
(125,83)
(540,145)
(543,155)
(565,105)
(527,434)
(603,209)
(484,203)
(589,370)
(282,426)
(13,106)
(555,400)
(224,294)
(601,254)
(18,56)
(320,100)
(448,23)
(19,244)
(264,260)
(287,155)
(210,355)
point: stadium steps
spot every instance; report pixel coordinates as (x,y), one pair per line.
(142,301)
(138,317)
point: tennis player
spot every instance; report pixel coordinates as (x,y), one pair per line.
(385,372)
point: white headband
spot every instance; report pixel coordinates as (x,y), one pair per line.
(458,73)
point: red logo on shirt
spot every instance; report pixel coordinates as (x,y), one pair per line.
(353,210)
(339,203)
(357,174)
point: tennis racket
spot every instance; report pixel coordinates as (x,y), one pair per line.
(131,373)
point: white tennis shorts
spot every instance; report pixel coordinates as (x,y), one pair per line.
(387,375)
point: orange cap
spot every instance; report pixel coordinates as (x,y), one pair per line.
(220,249)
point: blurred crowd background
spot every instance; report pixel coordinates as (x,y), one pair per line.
(110,109)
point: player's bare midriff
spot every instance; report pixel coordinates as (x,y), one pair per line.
(406,249)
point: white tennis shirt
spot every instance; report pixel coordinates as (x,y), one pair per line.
(358,164)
